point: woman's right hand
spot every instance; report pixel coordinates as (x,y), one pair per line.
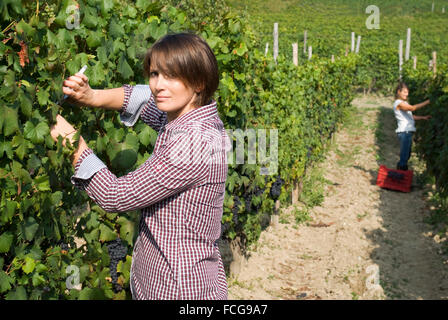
(78,90)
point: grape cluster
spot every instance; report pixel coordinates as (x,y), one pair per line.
(276,188)
(309,152)
(235,209)
(64,246)
(117,252)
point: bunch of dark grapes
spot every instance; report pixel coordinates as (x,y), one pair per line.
(276,188)
(248,203)
(117,252)
(235,209)
(309,152)
(64,246)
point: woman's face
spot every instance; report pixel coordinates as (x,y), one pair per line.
(171,95)
(403,94)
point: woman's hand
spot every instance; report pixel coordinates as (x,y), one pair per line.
(78,90)
(67,131)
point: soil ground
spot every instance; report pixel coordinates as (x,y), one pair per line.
(363,242)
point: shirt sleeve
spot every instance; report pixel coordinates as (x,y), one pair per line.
(139,102)
(181,164)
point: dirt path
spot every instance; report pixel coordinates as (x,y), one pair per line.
(363,242)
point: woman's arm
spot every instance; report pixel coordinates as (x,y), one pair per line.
(78,90)
(407,107)
(131,101)
(182,164)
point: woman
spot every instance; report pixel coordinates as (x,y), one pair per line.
(180,188)
(405,122)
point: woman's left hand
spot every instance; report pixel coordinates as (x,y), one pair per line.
(62,128)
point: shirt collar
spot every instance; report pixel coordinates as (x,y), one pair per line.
(197,114)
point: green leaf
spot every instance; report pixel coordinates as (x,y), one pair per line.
(132,142)
(8,211)
(43,97)
(29,265)
(5,147)
(26,105)
(18,294)
(115,30)
(5,282)
(124,68)
(11,121)
(127,229)
(102,54)
(42,183)
(38,279)
(96,74)
(36,133)
(92,294)
(21,146)
(6,241)
(29,228)
(23,27)
(107,234)
(94,39)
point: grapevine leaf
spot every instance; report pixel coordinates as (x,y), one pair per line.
(92,294)
(29,265)
(126,229)
(115,30)
(11,122)
(107,234)
(29,228)
(8,211)
(36,133)
(5,282)
(124,68)
(5,241)
(42,97)
(18,294)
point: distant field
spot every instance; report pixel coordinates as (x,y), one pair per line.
(330,23)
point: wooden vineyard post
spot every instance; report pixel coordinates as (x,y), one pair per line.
(295,54)
(267,48)
(346,50)
(305,35)
(400,54)
(358,44)
(432,10)
(310,52)
(295,192)
(275,41)
(434,63)
(274,217)
(353,42)
(415,62)
(408,45)
(332,58)
(443,10)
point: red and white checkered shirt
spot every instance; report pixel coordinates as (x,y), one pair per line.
(180,190)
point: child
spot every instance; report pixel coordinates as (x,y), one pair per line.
(405,123)
(180,189)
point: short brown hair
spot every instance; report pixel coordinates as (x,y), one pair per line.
(400,86)
(187,57)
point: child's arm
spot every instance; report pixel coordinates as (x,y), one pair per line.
(407,107)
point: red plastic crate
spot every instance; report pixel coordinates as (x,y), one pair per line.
(400,180)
